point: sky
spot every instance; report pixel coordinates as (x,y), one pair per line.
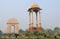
(50,13)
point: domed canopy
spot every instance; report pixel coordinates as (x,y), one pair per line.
(34,5)
(12,20)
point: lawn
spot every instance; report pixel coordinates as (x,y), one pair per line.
(26,38)
(30,38)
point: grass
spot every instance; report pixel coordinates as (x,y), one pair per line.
(31,38)
(26,38)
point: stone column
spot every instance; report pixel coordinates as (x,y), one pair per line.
(32,20)
(40,21)
(29,22)
(37,21)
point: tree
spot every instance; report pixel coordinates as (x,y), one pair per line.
(51,32)
(28,34)
(1,33)
(20,31)
(57,30)
(36,33)
(47,33)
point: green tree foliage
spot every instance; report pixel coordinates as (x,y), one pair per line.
(1,33)
(20,31)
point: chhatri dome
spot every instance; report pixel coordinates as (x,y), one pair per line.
(34,5)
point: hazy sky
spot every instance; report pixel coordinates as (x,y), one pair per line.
(50,13)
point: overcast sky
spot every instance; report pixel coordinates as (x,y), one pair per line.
(50,13)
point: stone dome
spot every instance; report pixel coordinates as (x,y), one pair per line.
(34,5)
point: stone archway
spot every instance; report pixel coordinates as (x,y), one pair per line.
(12,22)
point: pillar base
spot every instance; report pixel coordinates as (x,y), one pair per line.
(39,28)
(30,29)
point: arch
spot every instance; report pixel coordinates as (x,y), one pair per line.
(12,22)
